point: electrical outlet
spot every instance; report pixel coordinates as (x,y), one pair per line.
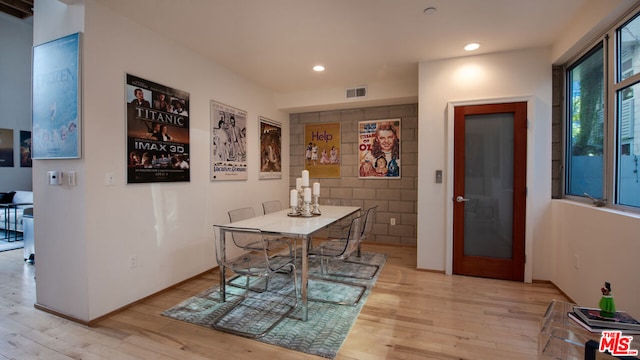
(393,221)
(133,262)
(109,179)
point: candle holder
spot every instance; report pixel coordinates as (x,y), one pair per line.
(294,211)
(316,206)
(300,200)
(306,209)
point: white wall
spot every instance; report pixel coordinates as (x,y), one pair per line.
(605,241)
(15,94)
(593,245)
(593,19)
(91,232)
(495,77)
(601,243)
(398,92)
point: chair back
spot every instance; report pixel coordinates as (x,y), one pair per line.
(241,214)
(242,238)
(271,206)
(249,245)
(370,219)
(352,236)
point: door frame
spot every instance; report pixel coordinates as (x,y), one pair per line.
(528,246)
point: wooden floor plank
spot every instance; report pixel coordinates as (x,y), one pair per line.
(410,314)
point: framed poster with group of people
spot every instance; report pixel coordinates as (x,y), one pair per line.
(228,142)
(157,132)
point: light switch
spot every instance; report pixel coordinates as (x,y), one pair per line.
(438,176)
(71,178)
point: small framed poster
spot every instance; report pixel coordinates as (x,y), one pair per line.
(270,149)
(322,150)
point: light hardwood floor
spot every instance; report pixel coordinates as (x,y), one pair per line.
(410,314)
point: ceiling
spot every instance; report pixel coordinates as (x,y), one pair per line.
(277,42)
(21,9)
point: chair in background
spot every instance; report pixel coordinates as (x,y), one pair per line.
(260,263)
(271,206)
(241,214)
(340,249)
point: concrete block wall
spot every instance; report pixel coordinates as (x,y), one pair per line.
(396,198)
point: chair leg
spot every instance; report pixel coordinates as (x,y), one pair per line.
(377,268)
(230,282)
(216,322)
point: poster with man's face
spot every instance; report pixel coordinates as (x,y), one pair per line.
(379,149)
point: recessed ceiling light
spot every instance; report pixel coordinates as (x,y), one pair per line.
(318,68)
(472,46)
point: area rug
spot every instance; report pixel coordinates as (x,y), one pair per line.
(327,326)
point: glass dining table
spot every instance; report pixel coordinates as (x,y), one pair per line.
(281,224)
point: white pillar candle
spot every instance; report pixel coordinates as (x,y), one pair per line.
(299,184)
(305,177)
(307,194)
(293,198)
(316,188)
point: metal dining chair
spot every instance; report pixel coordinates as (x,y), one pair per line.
(259,263)
(340,250)
(272,242)
(369,220)
(271,206)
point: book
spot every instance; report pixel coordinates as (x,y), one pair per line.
(597,329)
(621,320)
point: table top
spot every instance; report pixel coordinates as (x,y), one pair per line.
(280,223)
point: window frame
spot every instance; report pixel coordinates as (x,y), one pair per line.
(566,134)
(610,40)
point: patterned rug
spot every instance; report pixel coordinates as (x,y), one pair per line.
(328,324)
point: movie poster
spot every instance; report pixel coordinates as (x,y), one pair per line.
(6,147)
(270,149)
(322,150)
(25,149)
(379,149)
(228,142)
(56,99)
(157,132)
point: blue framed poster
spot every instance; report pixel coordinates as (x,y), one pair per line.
(56,99)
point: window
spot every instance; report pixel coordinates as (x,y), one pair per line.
(627,90)
(602,130)
(585,130)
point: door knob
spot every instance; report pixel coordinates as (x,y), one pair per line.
(461,199)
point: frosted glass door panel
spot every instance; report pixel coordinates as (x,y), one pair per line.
(488,213)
